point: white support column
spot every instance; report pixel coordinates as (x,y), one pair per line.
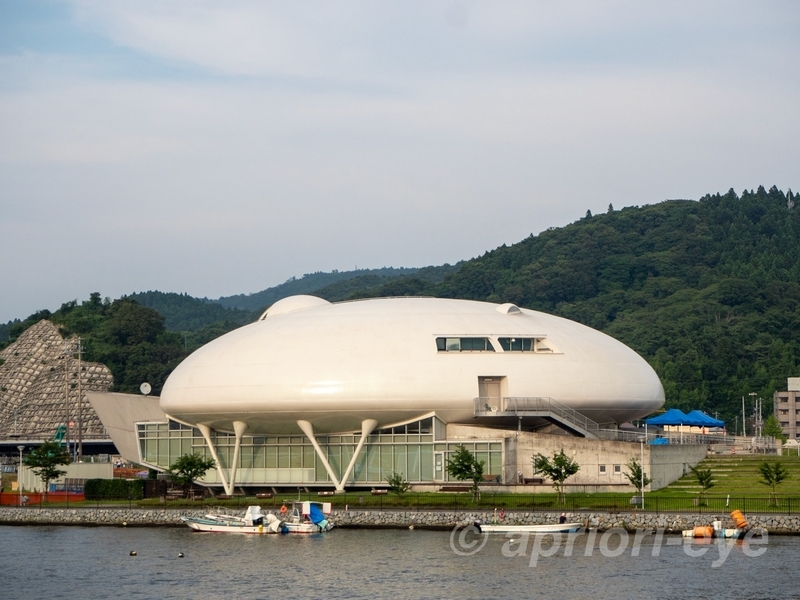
(308,429)
(367,425)
(206,431)
(239,427)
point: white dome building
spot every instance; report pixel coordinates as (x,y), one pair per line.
(351,372)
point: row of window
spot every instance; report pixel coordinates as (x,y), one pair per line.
(482,344)
(617,469)
(418,431)
(275,464)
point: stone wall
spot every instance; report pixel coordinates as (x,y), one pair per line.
(34,378)
(602,462)
(631,521)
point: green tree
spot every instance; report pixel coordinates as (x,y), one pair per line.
(773,475)
(637,476)
(704,479)
(772,428)
(464,466)
(187,468)
(561,468)
(44,461)
(398,484)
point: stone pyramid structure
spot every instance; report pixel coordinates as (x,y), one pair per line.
(39,387)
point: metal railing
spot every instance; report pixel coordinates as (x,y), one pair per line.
(536,407)
(457,502)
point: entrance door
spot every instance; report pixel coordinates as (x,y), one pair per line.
(489,391)
(438,466)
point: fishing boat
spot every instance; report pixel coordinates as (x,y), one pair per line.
(546,528)
(302,517)
(497,526)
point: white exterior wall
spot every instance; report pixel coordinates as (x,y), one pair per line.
(338,364)
(664,464)
(84,470)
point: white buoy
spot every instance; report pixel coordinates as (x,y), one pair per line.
(411,526)
(133,552)
(180,554)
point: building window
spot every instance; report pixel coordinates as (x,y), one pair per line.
(519,344)
(783,411)
(464,344)
(617,469)
(602,469)
(516,344)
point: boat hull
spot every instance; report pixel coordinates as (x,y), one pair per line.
(208,526)
(547,528)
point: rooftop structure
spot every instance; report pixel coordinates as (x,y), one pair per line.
(311,367)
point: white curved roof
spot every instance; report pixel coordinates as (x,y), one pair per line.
(336,364)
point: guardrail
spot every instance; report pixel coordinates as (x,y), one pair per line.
(534,406)
(455,501)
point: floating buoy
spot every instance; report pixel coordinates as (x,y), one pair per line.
(124,523)
(133,552)
(738,519)
(180,554)
(411,526)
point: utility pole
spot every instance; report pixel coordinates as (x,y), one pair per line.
(67,347)
(80,405)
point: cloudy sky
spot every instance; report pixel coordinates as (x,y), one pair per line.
(218,148)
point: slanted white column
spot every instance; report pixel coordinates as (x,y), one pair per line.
(206,431)
(239,427)
(367,425)
(308,429)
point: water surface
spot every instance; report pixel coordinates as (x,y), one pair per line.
(95,562)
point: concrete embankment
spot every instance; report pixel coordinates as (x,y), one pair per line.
(395,518)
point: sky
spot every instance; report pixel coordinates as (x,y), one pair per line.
(220,148)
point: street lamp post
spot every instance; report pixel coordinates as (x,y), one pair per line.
(642,473)
(19,473)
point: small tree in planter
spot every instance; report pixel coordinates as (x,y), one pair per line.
(704,478)
(561,468)
(773,475)
(398,484)
(637,476)
(187,468)
(45,460)
(464,466)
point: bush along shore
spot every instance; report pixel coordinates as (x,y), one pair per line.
(137,517)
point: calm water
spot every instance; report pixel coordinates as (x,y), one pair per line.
(78,562)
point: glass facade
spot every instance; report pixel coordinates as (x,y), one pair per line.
(408,449)
(464,344)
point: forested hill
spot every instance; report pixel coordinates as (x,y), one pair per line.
(307,284)
(707,291)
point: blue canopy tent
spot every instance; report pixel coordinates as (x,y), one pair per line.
(700,419)
(672,417)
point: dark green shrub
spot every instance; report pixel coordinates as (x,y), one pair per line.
(113,489)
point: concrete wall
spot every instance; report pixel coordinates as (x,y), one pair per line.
(631,521)
(84,470)
(664,464)
(672,462)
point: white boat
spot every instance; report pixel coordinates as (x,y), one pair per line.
(302,517)
(508,528)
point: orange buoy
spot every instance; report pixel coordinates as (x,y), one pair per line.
(738,519)
(703,532)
